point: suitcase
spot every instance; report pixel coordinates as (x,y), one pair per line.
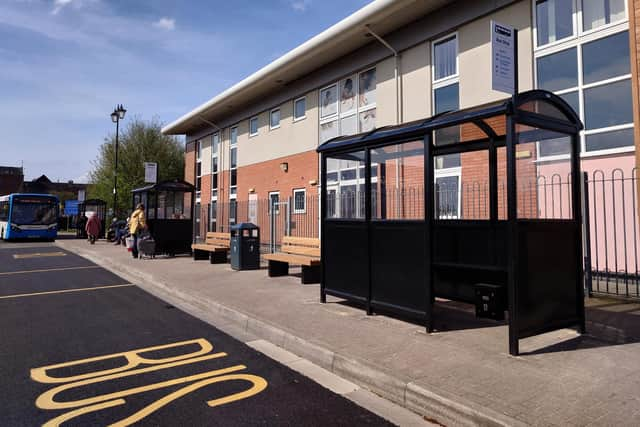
(146,247)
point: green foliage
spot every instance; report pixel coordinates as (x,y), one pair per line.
(139,141)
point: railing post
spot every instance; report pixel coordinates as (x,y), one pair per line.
(586,230)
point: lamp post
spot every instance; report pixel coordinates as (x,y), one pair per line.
(116,116)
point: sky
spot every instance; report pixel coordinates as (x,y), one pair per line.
(65,64)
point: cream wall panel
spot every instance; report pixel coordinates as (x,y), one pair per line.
(416,82)
(290,138)
(474,46)
(206,155)
(386,102)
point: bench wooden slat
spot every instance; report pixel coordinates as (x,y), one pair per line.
(293,259)
(298,250)
(301,241)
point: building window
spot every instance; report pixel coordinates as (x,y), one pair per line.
(299,109)
(591,73)
(253,126)
(446,97)
(274,119)
(348,106)
(299,201)
(233,175)
(198,169)
(554,20)
(274,202)
(596,13)
(445,58)
(215,165)
(233,171)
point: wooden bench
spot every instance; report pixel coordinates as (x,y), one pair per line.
(215,248)
(302,251)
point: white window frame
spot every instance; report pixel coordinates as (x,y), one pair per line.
(577,41)
(304,198)
(304,116)
(277,208)
(271,120)
(454,78)
(215,155)
(257,127)
(233,189)
(438,84)
(446,173)
(198,160)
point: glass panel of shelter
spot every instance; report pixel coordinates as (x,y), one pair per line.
(397,181)
(345,186)
(544,189)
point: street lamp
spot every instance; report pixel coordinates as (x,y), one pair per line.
(116,116)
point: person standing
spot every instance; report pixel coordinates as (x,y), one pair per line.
(137,223)
(93,228)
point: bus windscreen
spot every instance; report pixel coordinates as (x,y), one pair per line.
(34,211)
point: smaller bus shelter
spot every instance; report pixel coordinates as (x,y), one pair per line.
(91,207)
(449,207)
(168,212)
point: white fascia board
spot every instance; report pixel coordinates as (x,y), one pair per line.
(355,20)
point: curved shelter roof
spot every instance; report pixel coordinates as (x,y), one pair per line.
(171,185)
(537,105)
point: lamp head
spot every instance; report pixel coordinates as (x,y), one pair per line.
(114,116)
(121,111)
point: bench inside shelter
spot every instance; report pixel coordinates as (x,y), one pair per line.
(215,248)
(301,251)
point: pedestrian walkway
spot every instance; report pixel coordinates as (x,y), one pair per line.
(461,375)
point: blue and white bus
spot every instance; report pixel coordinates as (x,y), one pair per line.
(28,216)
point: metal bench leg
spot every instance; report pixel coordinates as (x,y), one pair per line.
(199,255)
(218,257)
(278,268)
(311,274)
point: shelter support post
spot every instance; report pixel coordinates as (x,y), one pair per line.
(428,233)
(323,215)
(512,236)
(367,218)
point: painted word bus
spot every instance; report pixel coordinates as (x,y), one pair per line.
(28,216)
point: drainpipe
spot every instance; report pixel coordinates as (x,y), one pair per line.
(399,110)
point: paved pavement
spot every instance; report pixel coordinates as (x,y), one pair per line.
(83,346)
(461,375)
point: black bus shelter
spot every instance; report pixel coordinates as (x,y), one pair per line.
(168,212)
(444,207)
(99,207)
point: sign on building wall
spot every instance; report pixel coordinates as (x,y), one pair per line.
(81,195)
(150,172)
(503,58)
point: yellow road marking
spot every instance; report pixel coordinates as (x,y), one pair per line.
(38,255)
(8,273)
(63,291)
(131,367)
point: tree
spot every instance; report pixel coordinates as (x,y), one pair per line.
(140,141)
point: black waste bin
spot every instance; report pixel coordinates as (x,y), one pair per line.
(245,246)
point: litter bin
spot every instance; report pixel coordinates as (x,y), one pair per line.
(245,246)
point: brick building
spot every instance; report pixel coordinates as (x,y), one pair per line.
(11,179)
(397,61)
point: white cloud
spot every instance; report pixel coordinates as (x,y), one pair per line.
(300,5)
(58,5)
(164,23)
